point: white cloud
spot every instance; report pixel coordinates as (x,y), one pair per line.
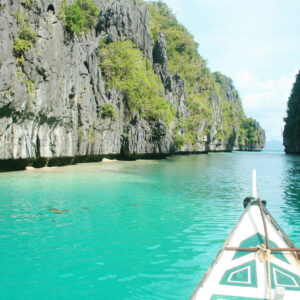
(265,100)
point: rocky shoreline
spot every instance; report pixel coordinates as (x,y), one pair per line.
(24,164)
(52,96)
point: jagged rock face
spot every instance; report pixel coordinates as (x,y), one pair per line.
(50,103)
(262,138)
(176,93)
(125,19)
(60,115)
(232,142)
(291,133)
(173,83)
(160,52)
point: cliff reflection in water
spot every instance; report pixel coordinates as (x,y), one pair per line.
(291,192)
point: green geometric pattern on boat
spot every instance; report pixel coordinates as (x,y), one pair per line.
(284,278)
(242,275)
(256,240)
(221,297)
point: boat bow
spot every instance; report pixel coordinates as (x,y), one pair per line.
(257,261)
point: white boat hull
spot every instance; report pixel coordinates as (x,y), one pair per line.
(242,275)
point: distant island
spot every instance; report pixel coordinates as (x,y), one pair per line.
(119,79)
(291,133)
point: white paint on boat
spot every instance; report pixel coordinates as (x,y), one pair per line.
(223,279)
(254,185)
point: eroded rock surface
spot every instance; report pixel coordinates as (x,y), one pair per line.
(50,102)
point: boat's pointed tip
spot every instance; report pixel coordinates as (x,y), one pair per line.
(252,201)
(247,201)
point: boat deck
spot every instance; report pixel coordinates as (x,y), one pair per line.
(238,275)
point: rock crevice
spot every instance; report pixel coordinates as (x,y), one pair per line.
(51,98)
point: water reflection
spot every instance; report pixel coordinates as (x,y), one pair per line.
(135,230)
(291,192)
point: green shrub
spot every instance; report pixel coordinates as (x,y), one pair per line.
(248,132)
(108,111)
(20,17)
(80,16)
(191,137)
(178,140)
(125,68)
(198,104)
(28,34)
(20,46)
(241,141)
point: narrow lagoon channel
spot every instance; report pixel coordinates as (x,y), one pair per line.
(132,230)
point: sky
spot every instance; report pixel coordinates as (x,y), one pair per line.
(256,43)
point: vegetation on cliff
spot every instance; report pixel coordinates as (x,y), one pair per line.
(184,59)
(80,16)
(26,35)
(125,68)
(248,133)
(202,85)
(108,111)
(291,133)
(132,96)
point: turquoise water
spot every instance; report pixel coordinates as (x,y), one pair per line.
(132,230)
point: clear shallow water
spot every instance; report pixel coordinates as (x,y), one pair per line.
(134,230)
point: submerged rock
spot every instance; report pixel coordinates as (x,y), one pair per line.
(57,210)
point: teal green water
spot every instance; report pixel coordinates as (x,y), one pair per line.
(134,230)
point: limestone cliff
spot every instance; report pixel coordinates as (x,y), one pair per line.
(52,92)
(291,133)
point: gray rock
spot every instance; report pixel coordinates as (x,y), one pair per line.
(125,19)
(50,103)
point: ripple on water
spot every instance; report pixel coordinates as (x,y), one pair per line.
(133,230)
